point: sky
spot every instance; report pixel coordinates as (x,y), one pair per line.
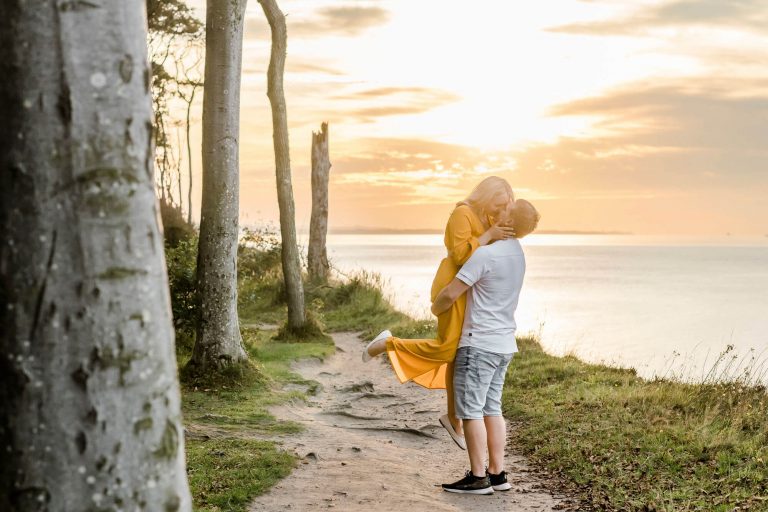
(649,117)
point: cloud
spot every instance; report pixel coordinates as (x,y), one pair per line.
(741,14)
(345,20)
(366,105)
(706,116)
(306,66)
(257,64)
(416,170)
(657,139)
(391,91)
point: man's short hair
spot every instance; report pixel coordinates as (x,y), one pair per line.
(526,218)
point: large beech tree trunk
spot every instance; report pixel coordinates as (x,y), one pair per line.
(317,255)
(290,248)
(89,401)
(218,340)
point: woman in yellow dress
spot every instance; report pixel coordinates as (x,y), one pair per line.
(429,362)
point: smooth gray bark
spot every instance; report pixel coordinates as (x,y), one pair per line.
(89,400)
(317,254)
(290,249)
(218,341)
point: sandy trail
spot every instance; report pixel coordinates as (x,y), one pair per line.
(372,444)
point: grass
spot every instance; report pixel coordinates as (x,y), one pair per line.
(230,457)
(359,304)
(617,441)
(225,474)
(624,443)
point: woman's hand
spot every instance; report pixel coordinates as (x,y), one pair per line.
(496,232)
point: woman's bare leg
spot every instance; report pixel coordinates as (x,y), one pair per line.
(455,422)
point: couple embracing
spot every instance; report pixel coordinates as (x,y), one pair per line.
(474,296)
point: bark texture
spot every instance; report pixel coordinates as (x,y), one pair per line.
(218,341)
(317,254)
(89,401)
(290,248)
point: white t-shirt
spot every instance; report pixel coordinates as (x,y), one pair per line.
(495,273)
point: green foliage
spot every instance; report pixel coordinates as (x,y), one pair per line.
(172,18)
(181,263)
(235,375)
(175,226)
(624,443)
(358,304)
(261,295)
(355,304)
(258,256)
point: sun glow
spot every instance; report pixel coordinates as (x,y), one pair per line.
(499,65)
(602,110)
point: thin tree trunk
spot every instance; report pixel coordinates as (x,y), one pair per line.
(317,255)
(290,249)
(89,401)
(178,173)
(218,341)
(189,157)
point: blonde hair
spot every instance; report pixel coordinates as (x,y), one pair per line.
(526,218)
(482,195)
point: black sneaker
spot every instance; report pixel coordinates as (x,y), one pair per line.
(499,482)
(471,484)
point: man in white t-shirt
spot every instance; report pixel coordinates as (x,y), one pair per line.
(492,278)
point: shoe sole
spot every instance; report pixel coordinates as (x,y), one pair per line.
(446,424)
(502,487)
(488,490)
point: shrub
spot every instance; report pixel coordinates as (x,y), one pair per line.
(181,261)
(258,255)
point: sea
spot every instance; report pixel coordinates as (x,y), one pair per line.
(689,308)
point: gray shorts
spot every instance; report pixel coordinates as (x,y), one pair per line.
(478,380)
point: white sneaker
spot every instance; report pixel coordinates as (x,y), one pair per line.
(459,440)
(381,336)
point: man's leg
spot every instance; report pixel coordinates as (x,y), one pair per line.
(494,421)
(470,389)
(474,374)
(497,434)
(476,436)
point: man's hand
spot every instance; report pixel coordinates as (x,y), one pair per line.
(448,296)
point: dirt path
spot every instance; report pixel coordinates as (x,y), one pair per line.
(372,444)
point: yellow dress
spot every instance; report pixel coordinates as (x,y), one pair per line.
(425,361)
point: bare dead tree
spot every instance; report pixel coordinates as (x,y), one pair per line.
(187,90)
(89,400)
(173,31)
(290,250)
(317,254)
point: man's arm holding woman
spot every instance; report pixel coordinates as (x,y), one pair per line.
(448,296)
